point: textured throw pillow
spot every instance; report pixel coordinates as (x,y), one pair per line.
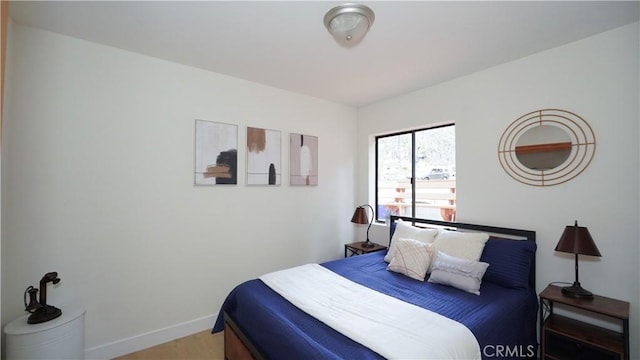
(460,273)
(466,245)
(405,230)
(412,258)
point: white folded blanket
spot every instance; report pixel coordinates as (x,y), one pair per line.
(391,327)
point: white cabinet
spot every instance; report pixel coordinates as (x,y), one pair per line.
(60,338)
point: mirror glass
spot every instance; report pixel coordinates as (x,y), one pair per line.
(543,147)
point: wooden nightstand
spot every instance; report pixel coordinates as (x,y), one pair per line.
(356,248)
(565,338)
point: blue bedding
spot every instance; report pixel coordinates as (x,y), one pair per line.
(500,317)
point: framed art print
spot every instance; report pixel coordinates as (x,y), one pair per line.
(216,153)
(264,156)
(303,159)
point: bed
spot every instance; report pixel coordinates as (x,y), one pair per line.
(499,308)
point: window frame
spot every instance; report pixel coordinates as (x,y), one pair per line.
(413,164)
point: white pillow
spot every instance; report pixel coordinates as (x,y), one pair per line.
(412,258)
(460,273)
(466,245)
(405,230)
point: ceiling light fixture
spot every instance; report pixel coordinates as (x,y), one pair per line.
(349,23)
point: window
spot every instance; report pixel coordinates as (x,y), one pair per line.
(416,174)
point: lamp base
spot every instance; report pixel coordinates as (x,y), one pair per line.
(576,291)
(367,244)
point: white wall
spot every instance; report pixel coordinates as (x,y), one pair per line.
(97,184)
(596,78)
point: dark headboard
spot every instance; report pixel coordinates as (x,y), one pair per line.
(493,231)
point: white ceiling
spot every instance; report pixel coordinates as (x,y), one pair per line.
(284,44)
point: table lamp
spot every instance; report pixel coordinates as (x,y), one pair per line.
(577,240)
(360,217)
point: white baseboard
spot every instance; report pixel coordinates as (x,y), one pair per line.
(152,338)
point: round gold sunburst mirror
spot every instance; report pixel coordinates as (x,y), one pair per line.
(546,147)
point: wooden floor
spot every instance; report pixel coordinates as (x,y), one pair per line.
(202,345)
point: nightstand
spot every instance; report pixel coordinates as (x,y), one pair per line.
(565,338)
(356,248)
(60,338)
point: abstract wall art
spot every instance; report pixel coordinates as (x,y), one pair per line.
(264,156)
(303,159)
(216,153)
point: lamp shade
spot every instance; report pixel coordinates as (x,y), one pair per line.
(349,23)
(577,240)
(360,216)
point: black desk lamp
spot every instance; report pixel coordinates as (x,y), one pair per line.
(577,240)
(360,217)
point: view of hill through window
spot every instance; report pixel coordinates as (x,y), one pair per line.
(435,173)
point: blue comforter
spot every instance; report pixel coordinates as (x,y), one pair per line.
(501,319)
